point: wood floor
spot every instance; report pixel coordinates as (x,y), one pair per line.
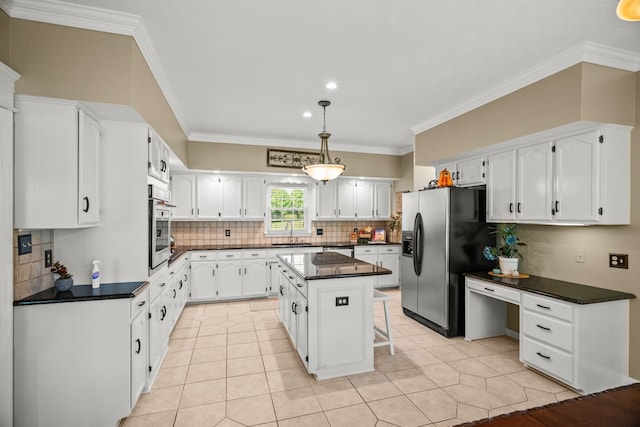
(618,407)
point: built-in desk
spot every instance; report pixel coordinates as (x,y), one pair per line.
(574,333)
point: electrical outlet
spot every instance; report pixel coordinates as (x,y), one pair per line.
(24,244)
(48,258)
(319,232)
(340,301)
(579,255)
(227,233)
(619,261)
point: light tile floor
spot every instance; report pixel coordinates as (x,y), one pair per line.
(231,364)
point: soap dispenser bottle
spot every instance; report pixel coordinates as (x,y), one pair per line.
(95,274)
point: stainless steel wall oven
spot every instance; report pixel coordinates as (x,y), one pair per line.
(159,226)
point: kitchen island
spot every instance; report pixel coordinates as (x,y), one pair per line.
(326,306)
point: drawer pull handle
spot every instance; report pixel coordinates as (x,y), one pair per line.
(543,356)
(489,289)
(203,256)
(544,328)
(139,346)
(163,284)
(141,303)
(544,306)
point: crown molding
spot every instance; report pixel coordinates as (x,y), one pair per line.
(289,143)
(97,19)
(586,52)
(8,79)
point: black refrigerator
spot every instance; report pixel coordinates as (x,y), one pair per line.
(444,231)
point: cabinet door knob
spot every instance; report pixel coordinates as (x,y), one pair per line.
(510,207)
(557,206)
(139,346)
(519,211)
(86,204)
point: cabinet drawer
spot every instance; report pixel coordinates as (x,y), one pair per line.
(227,255)
(389,249)
(254,254)
(139,303)
(364,251)
(548,330)
(301,285)
(495,291)
(203,256)
(548,307)
(158,286)
(554,362)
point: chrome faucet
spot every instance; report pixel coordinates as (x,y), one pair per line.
(289,227)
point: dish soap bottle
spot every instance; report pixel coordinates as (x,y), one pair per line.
(95,274)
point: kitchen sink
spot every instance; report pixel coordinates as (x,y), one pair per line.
(290,245)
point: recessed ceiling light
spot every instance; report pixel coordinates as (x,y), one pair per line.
(331,85)
(306,114)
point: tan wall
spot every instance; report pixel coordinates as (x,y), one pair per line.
(86,65)
(5,37)
(545,104)
(253,158)
(606,95)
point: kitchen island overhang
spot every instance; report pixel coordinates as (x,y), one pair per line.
(326,307)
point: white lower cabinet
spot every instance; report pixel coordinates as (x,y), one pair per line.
(81,363)
(227,274)
(387,256)
(578,344)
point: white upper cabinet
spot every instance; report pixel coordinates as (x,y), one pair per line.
(326,199)
(383,200)
(158,157)
(582,178)
(534,182)
(501,186)
(576,178)
(218,196)
(253,198)
(57,164)
(183,196)
(466,172)
(355,199)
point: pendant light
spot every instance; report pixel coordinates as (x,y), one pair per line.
(325,170)
(629,10)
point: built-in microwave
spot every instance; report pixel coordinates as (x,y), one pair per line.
(159,226)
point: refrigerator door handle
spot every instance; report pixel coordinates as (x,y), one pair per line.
(417,244)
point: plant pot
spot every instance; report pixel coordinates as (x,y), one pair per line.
(508,265)
(63,284)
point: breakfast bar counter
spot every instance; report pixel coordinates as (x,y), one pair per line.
(326,306)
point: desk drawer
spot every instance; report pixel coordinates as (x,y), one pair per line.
(554,362)
(548,307)
(495,291)
(548,330)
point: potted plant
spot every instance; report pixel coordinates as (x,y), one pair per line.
(507,252)
(63,279)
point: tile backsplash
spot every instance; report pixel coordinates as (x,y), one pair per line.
(29,272)
(196,233)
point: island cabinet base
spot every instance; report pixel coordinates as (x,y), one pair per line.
(330,323)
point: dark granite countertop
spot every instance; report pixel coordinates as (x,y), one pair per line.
(330,265)
(86,293)
(182,249)
(567,291)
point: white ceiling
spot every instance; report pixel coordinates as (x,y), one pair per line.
(244,71)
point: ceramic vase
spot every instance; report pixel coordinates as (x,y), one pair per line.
(508,265)
(63,284)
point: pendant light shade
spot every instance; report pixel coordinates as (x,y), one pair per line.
(629,10)
(326,169)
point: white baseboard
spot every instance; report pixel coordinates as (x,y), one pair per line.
(513,334)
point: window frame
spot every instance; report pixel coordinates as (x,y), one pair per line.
(306,230)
